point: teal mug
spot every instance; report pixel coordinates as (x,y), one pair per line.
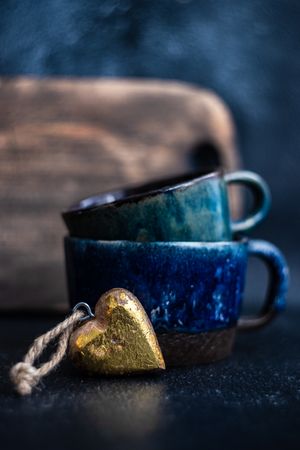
(187,208)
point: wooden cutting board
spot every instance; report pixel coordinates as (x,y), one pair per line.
(64,139)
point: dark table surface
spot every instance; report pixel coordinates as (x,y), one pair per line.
(250,401)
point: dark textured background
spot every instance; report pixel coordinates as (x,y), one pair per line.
(248,52)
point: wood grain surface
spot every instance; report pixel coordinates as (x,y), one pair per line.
(64,139)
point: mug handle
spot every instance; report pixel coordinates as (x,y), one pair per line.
(278,284)
(261,194)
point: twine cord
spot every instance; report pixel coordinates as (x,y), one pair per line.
(25,375)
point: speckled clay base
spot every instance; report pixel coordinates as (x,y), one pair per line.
(182,349)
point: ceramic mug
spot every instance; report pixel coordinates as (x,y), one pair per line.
(192,292)
(185,208)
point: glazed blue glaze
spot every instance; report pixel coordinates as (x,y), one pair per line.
(179,209)
(279,272)
(184,287)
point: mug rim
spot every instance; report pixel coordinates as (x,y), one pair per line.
(243,241)
(136,193)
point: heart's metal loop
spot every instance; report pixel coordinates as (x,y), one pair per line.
(87,308)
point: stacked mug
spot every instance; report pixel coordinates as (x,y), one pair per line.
(174,245)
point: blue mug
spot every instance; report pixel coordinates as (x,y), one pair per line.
(187,289)
(187,208)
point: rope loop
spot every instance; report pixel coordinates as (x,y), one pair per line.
(25,375)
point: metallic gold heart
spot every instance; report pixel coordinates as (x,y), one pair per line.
(119,340)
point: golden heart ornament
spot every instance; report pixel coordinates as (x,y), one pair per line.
(119,340)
